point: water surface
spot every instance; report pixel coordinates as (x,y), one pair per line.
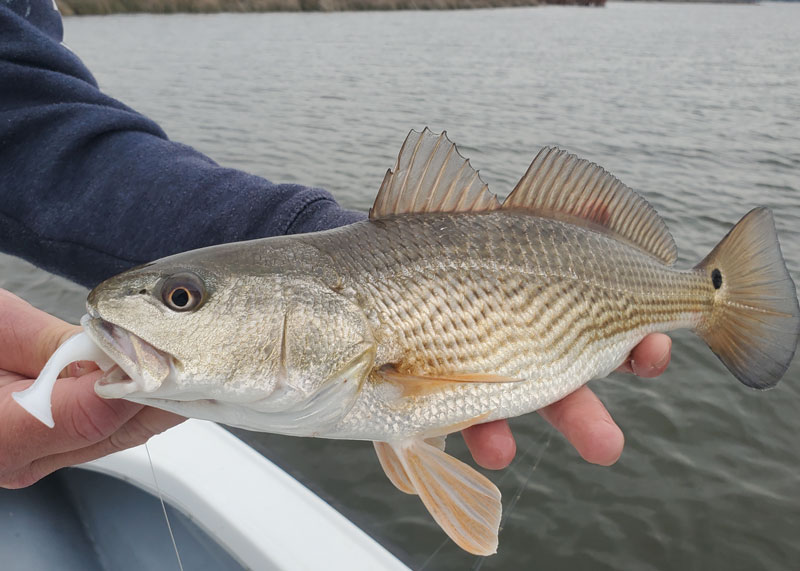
(696,106)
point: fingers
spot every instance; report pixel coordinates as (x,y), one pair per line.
(79,368)
(28,336)
(585,422)
(492,445)
(146,423)
(84,417)
(81,418)
(86,427)
(581,417)
(650,357)
(7,378)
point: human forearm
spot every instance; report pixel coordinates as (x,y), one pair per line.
(90,187)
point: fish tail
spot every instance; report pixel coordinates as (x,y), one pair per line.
(754,323)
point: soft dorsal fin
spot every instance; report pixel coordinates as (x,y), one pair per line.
(431,176)
(562,186)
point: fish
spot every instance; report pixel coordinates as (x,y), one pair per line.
(446,308)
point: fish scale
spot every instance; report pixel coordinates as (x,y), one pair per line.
(533,313)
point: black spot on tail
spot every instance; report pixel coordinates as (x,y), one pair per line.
(716,278)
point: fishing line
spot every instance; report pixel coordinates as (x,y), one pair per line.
(434,554)
(512,504)
(164,508)
(521,488)
(507,511)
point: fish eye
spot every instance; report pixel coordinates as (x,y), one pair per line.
(183,292)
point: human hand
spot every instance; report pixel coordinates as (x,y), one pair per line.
(580,416)
(86,426)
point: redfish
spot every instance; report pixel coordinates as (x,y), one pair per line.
(446,308)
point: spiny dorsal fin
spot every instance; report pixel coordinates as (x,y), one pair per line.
(431,176)
(463,502)
(562,186)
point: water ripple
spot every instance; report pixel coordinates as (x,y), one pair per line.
(695,105)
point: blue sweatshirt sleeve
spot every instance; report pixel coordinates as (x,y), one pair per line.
(89,187)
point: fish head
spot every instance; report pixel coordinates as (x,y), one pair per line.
(254,337)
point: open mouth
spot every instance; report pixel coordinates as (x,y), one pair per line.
(138,366)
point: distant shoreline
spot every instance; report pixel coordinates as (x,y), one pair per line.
(102,7)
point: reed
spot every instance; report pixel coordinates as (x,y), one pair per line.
(87,7)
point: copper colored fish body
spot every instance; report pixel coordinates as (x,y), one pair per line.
(446,308)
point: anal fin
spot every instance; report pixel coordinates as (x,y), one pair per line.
(463,502)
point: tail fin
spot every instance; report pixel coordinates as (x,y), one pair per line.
(755,324)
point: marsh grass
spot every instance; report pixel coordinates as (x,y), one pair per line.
(86,7)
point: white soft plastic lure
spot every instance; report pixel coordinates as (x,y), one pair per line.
(36,399)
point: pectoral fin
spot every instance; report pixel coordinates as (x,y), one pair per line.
(415,385)
(463,502)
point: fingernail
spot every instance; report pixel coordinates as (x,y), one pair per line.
(651,370)
(662,361)
(643,370)
(76,369)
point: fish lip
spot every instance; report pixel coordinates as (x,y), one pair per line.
(118,343)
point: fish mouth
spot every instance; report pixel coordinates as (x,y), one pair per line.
(138,366)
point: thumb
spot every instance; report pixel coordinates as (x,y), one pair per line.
(28,335)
